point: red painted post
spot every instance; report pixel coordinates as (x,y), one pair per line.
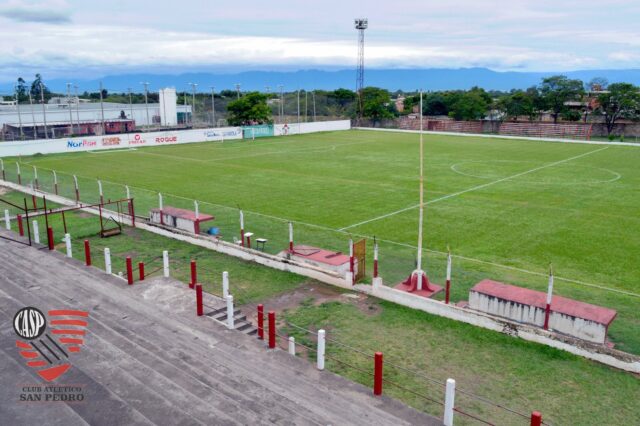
(194,274)
(199,305)
(87,253)
(20,228)
(377,374)
(536,419)
(141,269)
(272,330)
(261,321)
(249,241)
(50,238)
(129,271)
(34,201)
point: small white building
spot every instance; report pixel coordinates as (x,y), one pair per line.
(174,217)
(567,316)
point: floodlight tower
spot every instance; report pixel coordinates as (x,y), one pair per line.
(361,24)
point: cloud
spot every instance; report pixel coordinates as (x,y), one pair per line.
(47,12)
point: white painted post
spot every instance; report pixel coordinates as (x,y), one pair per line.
(449,398)
(292,345)
(67,241)
(18,168)
(100,190)
(107,260)
(7,219)
(160,202)
(197,210)
(225,284)
(35,175)
(128,191)
(36,232)
(321,344)
(291,237)
(165,263)
(230,319)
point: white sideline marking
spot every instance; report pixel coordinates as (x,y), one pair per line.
(475,188)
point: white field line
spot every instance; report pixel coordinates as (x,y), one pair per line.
(326,228)
(491,136)
(475,188)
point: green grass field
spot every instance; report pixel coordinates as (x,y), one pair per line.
(507,208)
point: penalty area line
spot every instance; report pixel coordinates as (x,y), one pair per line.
(474,188)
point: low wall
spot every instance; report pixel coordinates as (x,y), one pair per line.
(138,140)
(599,353)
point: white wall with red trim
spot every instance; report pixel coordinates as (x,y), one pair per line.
(139,140)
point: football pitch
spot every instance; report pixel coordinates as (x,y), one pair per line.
(506,208)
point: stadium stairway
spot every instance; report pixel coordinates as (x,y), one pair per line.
(148,359)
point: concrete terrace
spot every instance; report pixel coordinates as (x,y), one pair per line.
(148,359)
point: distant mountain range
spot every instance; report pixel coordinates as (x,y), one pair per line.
(392,79)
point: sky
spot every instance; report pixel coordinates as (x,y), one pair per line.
(75,38)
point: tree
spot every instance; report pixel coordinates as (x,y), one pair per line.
(343,97)
(21,90)
(558,90)
(376,104)
(434,104)
(36,86)
(621,101)
(251,108)
(597,84)
(520,103)
(471,105)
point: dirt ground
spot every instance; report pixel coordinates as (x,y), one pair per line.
(313,293)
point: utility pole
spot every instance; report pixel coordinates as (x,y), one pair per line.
(75,88)
(306,105)
(18,108)
(102,110)
(146,101)
(193,99)
(69,106)
(238,89)
(44,111)
(33,117)
(213,106)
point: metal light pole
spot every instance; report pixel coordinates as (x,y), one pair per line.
(313,95)
(238,89)
(193,99)
(421,213)
(130,103)
(213,106)
(33,117)
(75,88)
(19,115)
(306,105)
(146,100)
(44,111)
(281,103)
(102,110)
(69,106)
(298,107)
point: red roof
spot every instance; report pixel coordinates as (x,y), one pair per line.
(184,214)
(538,299)
(320,255)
